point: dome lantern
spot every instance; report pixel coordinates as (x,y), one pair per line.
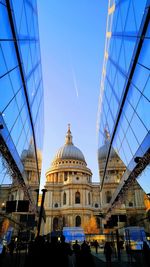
(68,136)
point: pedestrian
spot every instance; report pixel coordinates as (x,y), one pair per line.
(76,250)
(64,251)
(146,253)
(96,245)
(108,253)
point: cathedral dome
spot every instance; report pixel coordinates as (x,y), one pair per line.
(69,151)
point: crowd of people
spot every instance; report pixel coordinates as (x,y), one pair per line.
(59,252)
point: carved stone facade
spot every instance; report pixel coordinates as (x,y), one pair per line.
(71,197)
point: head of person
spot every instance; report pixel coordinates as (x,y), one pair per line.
(62,238)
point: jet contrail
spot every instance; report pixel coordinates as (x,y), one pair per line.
(75,82)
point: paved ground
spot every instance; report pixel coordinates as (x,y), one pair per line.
(125,261)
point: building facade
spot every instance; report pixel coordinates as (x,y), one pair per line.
(71,198)
(124,101)
(21,102)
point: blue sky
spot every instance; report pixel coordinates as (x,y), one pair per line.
(72,38)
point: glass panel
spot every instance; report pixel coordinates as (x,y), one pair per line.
(20,99)
(139,7)
(144,180)
(16,131)
(5,32)
(128,109)
(9,54)
(114,106)
(23,25)
(124,122)
(133,96)
(124,6)
(146,91)
(5,86)
(110,122)
(123,156)
(136,124)
(144,113)
(21,143)
(3,68)
(129,46)
(17,8)
(145,54)
(15,79)
(140,77)
(9,119)
(132,140)
(127,150)
(131,27)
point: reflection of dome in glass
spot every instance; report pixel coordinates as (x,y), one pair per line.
(30,152)
(69,151)
(102,152)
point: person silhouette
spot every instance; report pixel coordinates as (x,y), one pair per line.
(76,250)
(86,258)
(146,253)
(64,251)
(108,253)
(96,245)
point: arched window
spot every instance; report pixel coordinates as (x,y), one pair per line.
(55,223)
(89,198)
(130,204)
(77,198)
(108,196)
(64,198)
(78,221)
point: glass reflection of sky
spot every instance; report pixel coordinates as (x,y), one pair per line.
(144,180)
(13,101)
(134,123)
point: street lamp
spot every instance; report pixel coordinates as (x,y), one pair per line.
(3,206)
(37,196)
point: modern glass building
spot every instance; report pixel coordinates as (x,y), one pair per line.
(124,102)
(21,95)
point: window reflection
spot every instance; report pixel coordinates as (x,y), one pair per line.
(144,179)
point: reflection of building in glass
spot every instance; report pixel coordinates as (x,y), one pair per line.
(124,101)
(71,198)
(21,101)
(133,205)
